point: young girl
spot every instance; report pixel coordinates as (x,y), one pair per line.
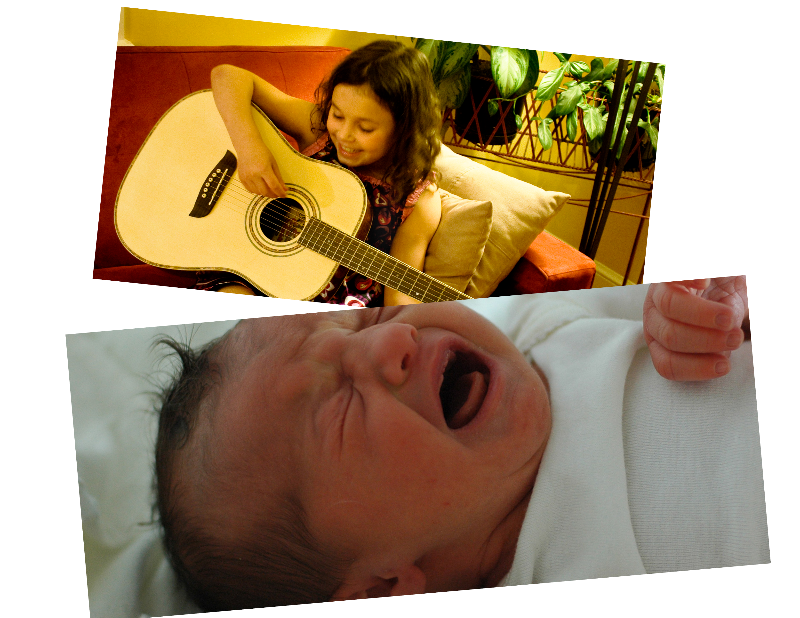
(377,115)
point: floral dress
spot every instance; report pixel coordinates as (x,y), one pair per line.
(348,287)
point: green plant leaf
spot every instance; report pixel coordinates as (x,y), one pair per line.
(531,77)
(550,83)
(578,68)
(432,48)
(660,79)
(652,133)
(568,100)
(493,106)
(610,68)
(455,57)
(562,57)
(518,120)
(509,68)
(572,125)
(596,71)
(622,142)
(642,71)
(545,133)
(454,90)
(594,122)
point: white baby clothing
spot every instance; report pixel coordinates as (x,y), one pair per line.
(640,474)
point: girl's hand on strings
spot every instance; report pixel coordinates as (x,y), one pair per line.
(692,326)
(259,173)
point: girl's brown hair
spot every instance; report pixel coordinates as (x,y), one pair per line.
(401,78)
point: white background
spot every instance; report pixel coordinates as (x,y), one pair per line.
(724,204)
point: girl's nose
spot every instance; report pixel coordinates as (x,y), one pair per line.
(346,132)
(390,351)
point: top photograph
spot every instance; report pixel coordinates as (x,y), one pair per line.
(368,169)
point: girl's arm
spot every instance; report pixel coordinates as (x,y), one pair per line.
(412,238)
(234,89)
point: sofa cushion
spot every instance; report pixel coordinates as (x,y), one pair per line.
(520,211)
(144,273)
(549,265)
(457,246)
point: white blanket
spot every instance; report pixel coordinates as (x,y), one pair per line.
(110,383)
(640,474)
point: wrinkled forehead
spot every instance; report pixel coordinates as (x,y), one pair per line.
(260,419)
(280,336)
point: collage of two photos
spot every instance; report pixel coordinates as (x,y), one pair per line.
(496,398)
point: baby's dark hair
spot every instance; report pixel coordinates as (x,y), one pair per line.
(401,78)
(225,563)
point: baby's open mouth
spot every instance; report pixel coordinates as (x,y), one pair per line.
(464,386)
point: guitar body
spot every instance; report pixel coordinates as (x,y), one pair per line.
(163,217)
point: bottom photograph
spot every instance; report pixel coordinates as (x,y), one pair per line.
(424,448)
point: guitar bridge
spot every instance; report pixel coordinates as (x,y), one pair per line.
(216,181)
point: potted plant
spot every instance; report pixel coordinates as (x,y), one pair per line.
(514,72)
(591,88)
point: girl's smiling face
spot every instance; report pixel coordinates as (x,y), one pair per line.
(409,433)
(361,128)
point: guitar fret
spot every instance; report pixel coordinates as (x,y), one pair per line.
(334,244)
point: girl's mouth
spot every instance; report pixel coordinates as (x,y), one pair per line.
(348,153)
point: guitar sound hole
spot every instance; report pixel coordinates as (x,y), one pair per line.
(282,219)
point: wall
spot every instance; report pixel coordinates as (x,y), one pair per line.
(145,27)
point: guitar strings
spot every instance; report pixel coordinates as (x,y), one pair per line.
(270,218)
(241,197)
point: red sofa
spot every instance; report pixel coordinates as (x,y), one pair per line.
(149,80)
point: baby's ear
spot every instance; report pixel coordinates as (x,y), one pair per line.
(407,580)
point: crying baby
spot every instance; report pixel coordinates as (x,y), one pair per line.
(391,451)
(349,454)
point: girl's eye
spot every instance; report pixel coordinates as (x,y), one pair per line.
(367,130)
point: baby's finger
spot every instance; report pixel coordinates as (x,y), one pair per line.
(683,367)
(695,284)
(678,303)
(679,337)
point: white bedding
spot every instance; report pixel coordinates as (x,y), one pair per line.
(115,430)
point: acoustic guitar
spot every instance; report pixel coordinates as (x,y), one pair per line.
(181,206)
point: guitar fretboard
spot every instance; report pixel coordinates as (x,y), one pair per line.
(375,264)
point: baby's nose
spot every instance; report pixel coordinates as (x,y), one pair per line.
(392,350)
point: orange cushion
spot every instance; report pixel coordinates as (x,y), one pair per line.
(549,265)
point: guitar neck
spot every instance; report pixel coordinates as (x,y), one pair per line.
(366,260)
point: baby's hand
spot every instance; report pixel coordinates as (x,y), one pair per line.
(259,171)
(692,326)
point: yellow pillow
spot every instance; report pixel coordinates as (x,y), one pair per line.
(457,246)
(520,211)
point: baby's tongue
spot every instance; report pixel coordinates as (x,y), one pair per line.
(475,386)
